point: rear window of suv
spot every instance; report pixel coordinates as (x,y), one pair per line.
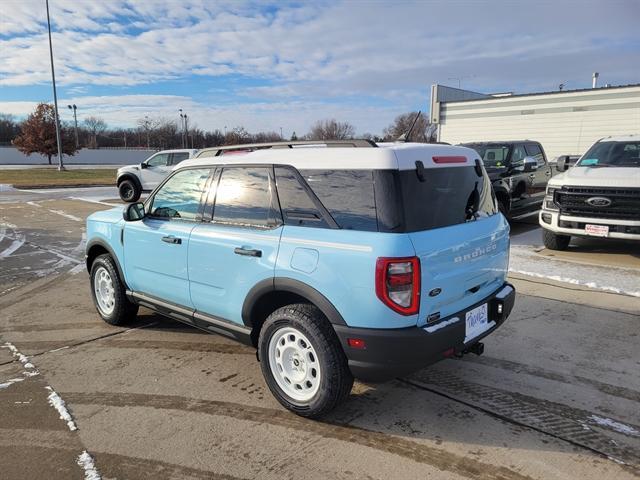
(395,201)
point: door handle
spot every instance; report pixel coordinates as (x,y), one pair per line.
(172,239)
(248,252)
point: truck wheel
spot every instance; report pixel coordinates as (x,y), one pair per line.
(555,242)
(502,208)
(108,292)
(302,361)
(129,191)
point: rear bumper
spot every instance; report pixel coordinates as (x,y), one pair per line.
(390,353)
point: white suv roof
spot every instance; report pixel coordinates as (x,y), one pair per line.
(386,156)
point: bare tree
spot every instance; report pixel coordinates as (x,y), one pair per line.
(401,125)
(331,130)
(96,126)
(237,136)
(9,128)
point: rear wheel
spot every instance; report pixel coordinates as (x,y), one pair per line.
(302,361)
(502,208)
(555,242)
(108,292)
(129,191)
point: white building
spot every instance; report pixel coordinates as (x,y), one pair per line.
(566,122)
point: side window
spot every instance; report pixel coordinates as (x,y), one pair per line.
(535,151)
(347,195)
(159,160)
(518,154)
(179,197)
(297,208)
(244,198)
(177,157)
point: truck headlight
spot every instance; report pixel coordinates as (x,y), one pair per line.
(548,198)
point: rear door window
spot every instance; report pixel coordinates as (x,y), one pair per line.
(177,157)
(298,208)
(348,195)
(244,197)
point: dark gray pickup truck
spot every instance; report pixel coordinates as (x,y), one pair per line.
(519,171)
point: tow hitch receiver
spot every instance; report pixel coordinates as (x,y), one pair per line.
(477,348)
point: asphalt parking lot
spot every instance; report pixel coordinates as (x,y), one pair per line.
(556,394)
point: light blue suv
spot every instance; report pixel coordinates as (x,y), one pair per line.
(335,260)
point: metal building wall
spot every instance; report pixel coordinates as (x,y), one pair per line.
(566,123)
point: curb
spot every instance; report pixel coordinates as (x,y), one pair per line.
(47,187)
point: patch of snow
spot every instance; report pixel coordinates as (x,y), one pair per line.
(34,204)
(15,245)
(56,402)
(86,462)
(77,269)
(618,280)
(10,382)
(22,358)
(66,215)
(440,325)
(617,426)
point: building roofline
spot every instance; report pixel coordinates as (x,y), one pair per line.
(554,92)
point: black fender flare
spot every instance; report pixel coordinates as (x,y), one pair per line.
(283,284)
(129,176)
(105,245)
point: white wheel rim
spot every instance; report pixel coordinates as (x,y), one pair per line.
(105,293)
(294,364)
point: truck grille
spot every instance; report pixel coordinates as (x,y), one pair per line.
(625,202)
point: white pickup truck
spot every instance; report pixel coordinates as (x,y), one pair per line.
(598,197)
(132,180)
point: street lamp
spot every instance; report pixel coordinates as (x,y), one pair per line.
(146,127)
(281,137)
(75,120)
(182,129)
(55,95)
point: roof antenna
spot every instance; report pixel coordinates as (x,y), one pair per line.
(405,136)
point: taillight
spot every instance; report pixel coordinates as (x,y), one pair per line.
(398,284)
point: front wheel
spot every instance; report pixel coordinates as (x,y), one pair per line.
(555,242)
(129,191)
(302,361)
(108,292)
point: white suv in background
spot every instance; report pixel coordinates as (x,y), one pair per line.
(598,197)
(132,180)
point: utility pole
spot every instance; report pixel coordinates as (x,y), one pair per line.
(55,95)
(281,137)
(75,121)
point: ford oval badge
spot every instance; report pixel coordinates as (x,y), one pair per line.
(598,201)
(435,292)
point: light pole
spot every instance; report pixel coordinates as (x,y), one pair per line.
(55,95)
(146,127)
(186,131)
(75,121)
(182,118)
(281,137)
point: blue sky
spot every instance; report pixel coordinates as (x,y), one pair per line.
(287,64)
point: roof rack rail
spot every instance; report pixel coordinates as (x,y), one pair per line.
(217,151)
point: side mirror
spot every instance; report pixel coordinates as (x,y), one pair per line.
(563,163)
(144,165)
(530,164)
(133,212)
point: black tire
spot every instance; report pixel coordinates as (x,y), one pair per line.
(335,378)
(502,208)
(129,191)
(123,310)
(555,242)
